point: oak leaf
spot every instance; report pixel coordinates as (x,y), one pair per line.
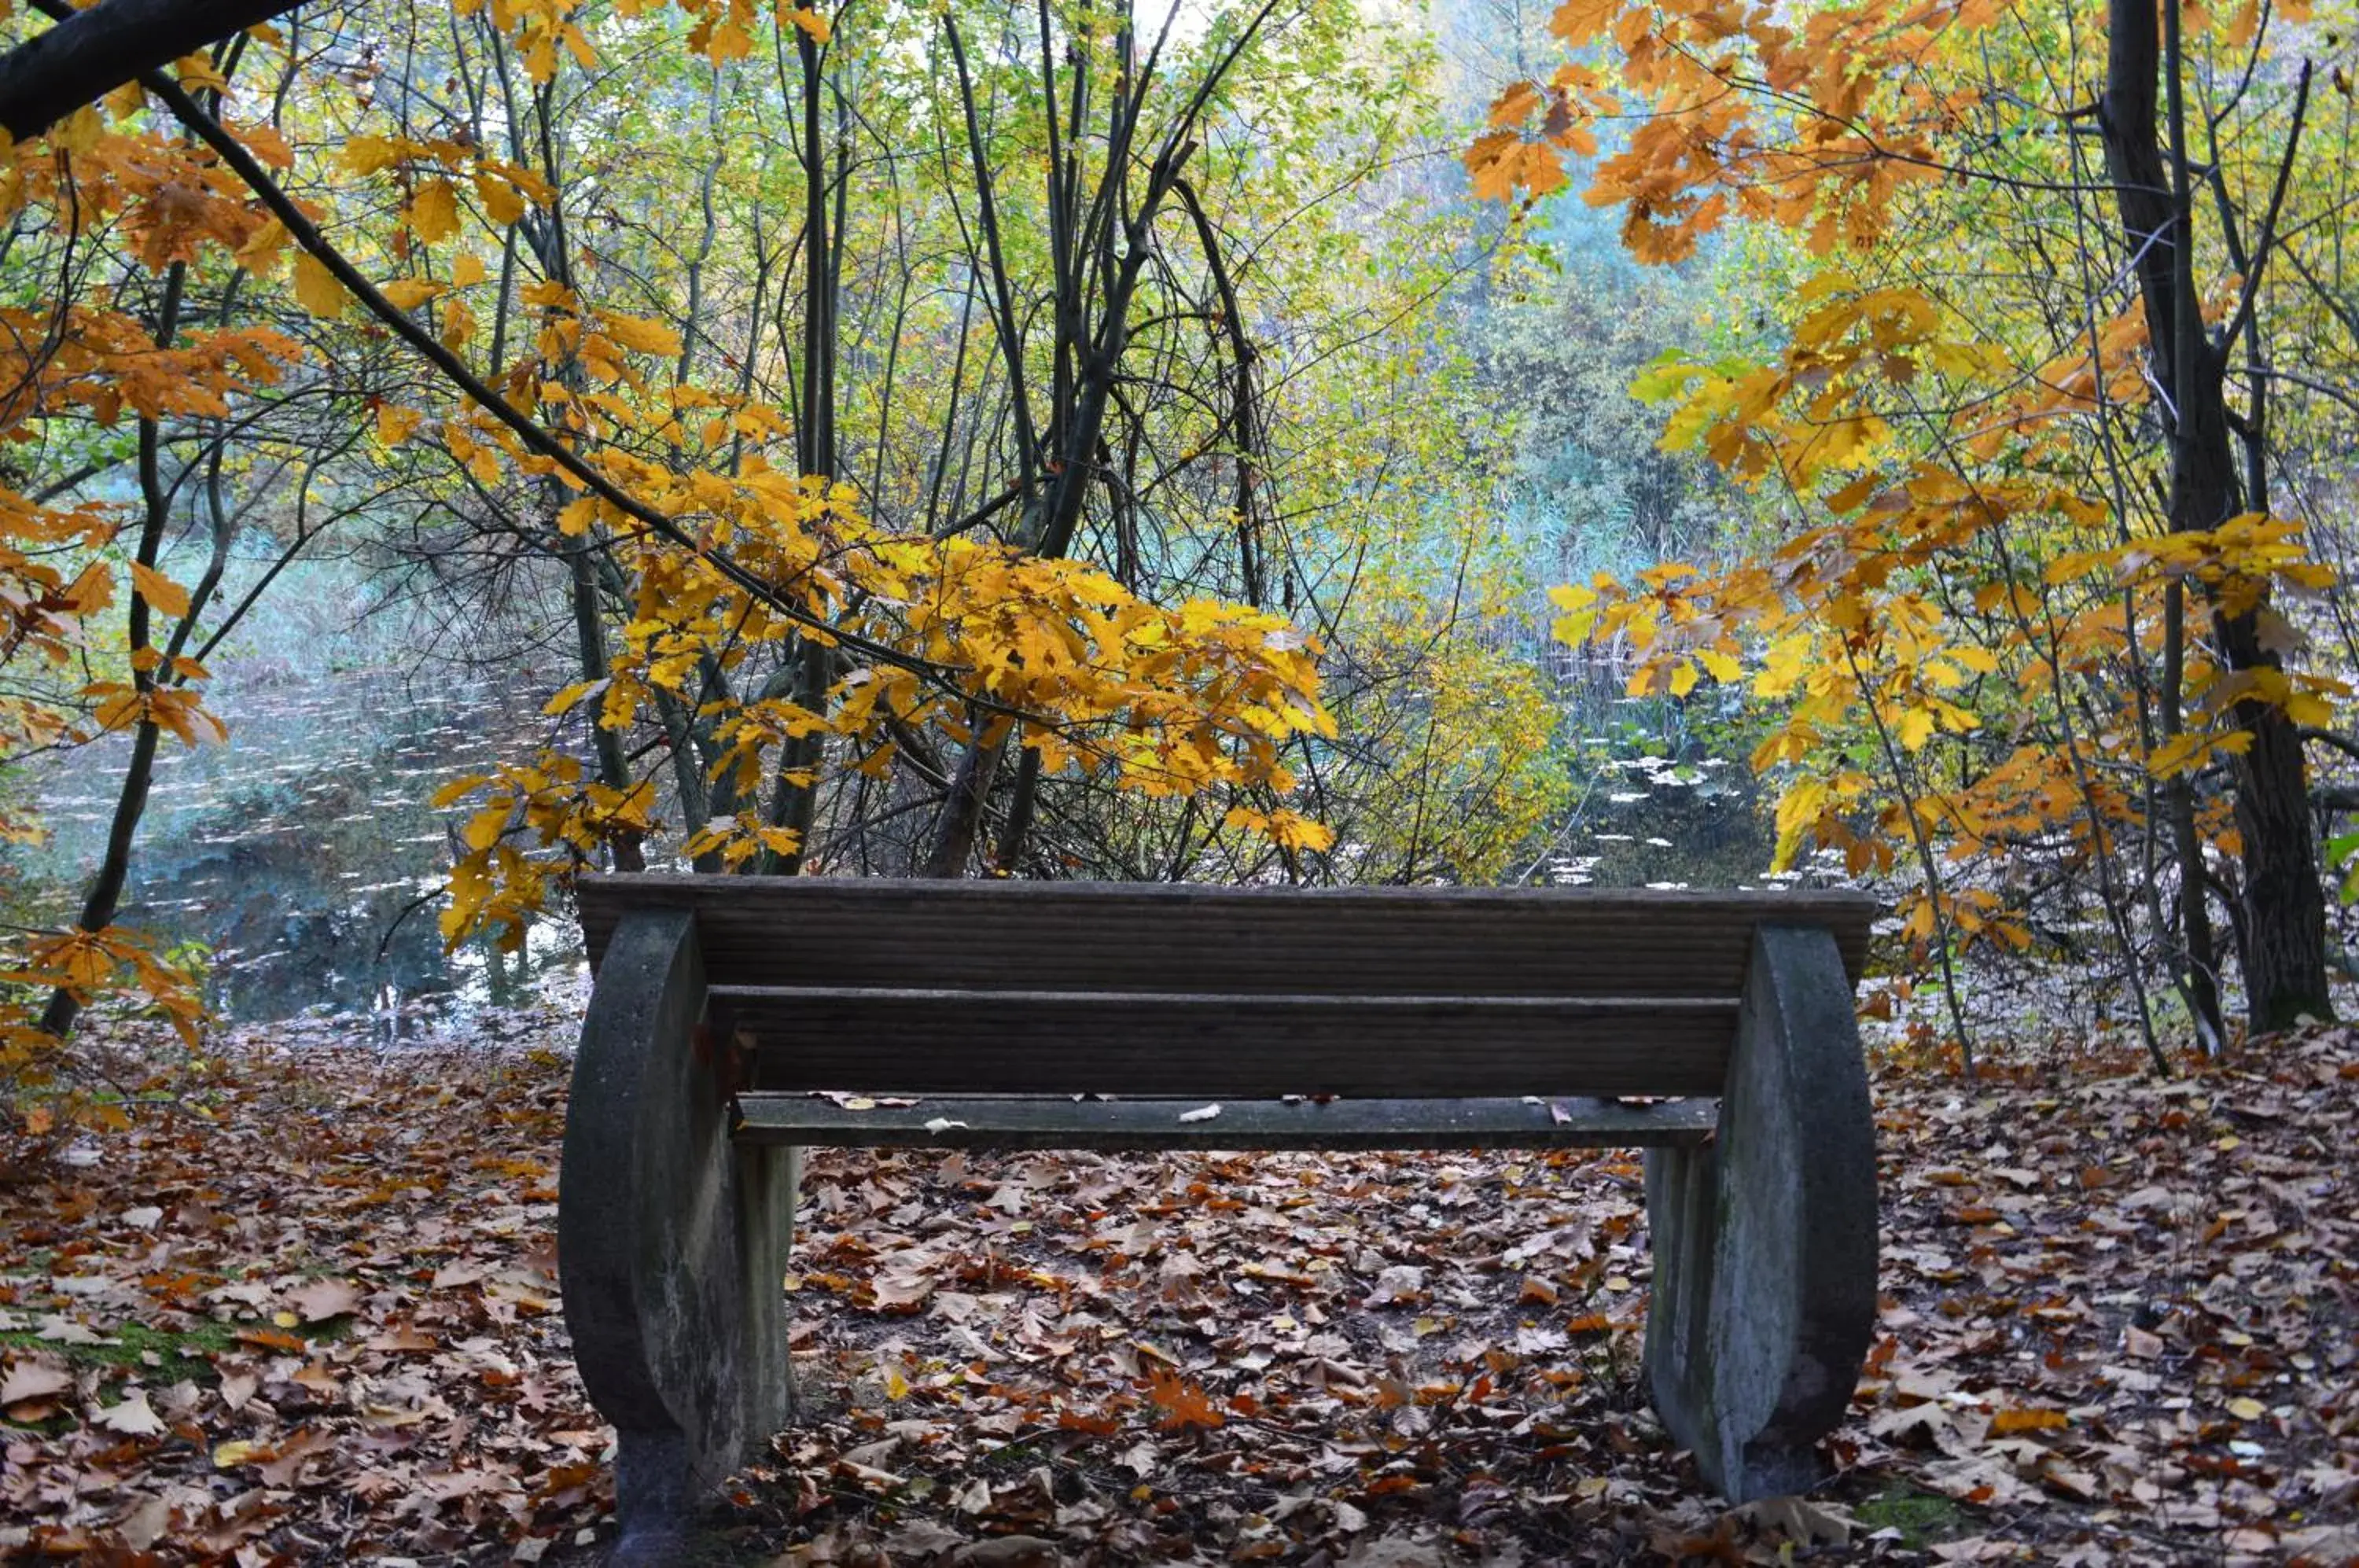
(160,592)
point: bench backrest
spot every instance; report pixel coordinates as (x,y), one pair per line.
(1129,988)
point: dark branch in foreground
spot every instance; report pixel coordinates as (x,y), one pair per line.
(91,53)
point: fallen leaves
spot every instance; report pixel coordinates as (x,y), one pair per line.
(31,1381)
(132,1417)
(323,1299)
(313,1323)
(1293,1358)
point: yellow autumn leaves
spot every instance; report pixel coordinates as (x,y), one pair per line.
(1050,654)
(430,175)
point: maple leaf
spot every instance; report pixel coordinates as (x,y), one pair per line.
(132,1417)
(1184,1404)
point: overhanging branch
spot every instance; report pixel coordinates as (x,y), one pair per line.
(91,53)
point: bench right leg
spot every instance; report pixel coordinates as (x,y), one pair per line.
(671,1242)
(769,1179)
(1765,1238)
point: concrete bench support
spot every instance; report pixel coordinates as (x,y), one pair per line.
(1765,1240)
(672,1241)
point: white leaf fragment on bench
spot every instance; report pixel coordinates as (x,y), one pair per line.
(1200,1114)
(940,1124)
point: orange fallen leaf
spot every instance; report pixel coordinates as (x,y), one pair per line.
(2030,1419)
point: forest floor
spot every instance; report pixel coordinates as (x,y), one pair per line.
(305,1310)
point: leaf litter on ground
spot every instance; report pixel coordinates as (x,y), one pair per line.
(307,1313)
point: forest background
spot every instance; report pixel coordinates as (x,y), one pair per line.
(1298,441)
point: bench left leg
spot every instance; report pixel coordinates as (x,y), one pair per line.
(1765,1239)
(671,1242)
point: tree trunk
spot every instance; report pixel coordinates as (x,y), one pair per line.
(2285,907)
(105,895)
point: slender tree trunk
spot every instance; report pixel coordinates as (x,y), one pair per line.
(2202,978)
(105,895)
(794,799)
(613,767)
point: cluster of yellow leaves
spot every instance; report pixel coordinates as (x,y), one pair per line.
(1290,831)
(540,29)
(112,961)
(1817,412)
(723,30)
(1167,700)
(563,816)
(1846,641)
(430,173)
(1161,700)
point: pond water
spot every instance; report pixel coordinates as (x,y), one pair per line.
(1650,822)
(301,853)
(301,862)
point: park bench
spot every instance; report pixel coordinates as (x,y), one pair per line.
(1714,1030)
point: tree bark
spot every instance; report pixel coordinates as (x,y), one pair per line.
(93,52)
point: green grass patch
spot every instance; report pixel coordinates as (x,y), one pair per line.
(178,1353)
(175,1353)
(1922,1517)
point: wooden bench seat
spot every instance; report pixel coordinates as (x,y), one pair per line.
(1031,1121)
(735,1020)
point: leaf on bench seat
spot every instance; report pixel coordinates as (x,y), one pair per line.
(1200,1114)
(863,1102)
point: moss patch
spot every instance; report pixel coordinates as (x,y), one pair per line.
(1921,1518)
(178,1353)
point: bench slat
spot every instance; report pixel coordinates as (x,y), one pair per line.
(1002,1122)
(980,935)
(949,1041)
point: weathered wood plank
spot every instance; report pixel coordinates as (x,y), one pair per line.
(952,1041)
(1003,1122)
(1146,937)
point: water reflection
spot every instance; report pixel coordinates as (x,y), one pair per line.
(1651,821)
(302,853)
